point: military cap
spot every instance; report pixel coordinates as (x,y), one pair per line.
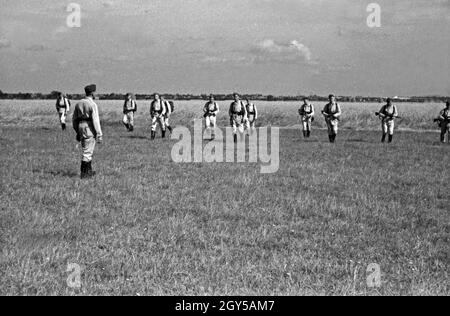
(90,89)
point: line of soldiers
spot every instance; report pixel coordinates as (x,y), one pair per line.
(160,112)
(243,116)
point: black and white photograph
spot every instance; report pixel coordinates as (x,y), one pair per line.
(224,156)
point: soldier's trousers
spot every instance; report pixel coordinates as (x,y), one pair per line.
(62,116)
(87,141)
(167,121)
(445,129)
(158,120)
(307,122)
(211,122)
(237,123)
(250,123)
(333,127)
(128,119)
(388,127)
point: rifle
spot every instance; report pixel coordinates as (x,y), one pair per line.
(303,113)
(442,121)
(386,116)
(330,116)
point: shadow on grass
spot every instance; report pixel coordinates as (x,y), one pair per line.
(133,137)
(358,140)
(58,173)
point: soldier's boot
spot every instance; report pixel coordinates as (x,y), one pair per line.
(153,135)
(131,128)
(383,139)
(391,137)
(235,138)
(305,134)
(90,172)
(63,126)
(443,138)
(83,170)
(163,133)
(308,134)
(170,129)
(332,138)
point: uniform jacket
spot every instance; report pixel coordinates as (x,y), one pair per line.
(307,109)
(211,109)
(389,111)
(167,108)
(238,109)
(129,106)
(252,110)
(86,112)
(63,103)
(157,108)
(445,114)
(333,109)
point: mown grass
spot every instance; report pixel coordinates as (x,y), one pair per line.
(146,225)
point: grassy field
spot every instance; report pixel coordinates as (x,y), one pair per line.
(148,226)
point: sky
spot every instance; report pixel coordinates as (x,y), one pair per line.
(280,47)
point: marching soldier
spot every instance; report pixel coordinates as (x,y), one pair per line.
(252,116)
(129,110)
(63,107)
(332,113)
(157,114)
(388,114)
(169,107)
(444,122)
(238,116)
(211,110)
(86,123)
(307,113)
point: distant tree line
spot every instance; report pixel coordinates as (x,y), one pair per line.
(223,97)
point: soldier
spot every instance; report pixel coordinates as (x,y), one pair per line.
(129,110)
(444,122)
(252,116)
(332,113)
(238,116)
(157,114)
(169,107)
(211,110)
(63,108)
(86,123)
(388,114)
(307,113)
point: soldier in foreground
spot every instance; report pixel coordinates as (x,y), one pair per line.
(86,123)
(332,113)
(63,108)
(238,116)
(157,114)
(388,114)
(210,112)
(129,110)
(169,107)
(444,122)
(252,116)
(307,113)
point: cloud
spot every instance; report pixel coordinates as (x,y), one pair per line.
(270,51)
(4,43)
(264,52)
